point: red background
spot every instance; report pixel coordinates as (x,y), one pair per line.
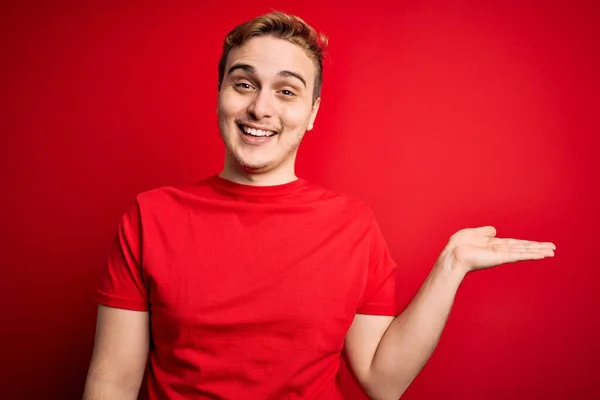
(439,116)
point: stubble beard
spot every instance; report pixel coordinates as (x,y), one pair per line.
(260,165)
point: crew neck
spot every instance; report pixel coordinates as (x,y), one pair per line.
(241,189)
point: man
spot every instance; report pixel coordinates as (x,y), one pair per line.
(253,283)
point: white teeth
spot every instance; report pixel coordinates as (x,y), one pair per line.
(256,132)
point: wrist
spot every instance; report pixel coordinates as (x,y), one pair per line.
(449,267)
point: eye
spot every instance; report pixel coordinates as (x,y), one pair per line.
(287,92)
(244,86)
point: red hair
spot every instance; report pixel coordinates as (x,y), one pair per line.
(282,26)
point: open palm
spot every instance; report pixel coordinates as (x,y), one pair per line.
(478,248)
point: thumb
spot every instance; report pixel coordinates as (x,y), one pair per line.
(487,230)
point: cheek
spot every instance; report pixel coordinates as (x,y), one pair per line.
(295,119)
(230,105)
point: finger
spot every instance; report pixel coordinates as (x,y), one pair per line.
(549,245)
(523,247)
(531,257)
(520,242)
(544,252)
(529,254)
(529,243)
(530,246)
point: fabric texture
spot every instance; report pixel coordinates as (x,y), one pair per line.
(250,289)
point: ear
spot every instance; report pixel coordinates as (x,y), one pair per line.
(218,96)
(313,114)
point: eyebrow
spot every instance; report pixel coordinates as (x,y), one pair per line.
(251,70)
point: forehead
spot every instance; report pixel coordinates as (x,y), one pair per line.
(269,55)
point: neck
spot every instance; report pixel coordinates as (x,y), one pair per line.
(279,176)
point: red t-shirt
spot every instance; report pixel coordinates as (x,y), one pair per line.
(250,290)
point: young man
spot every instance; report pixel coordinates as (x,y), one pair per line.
(253,283)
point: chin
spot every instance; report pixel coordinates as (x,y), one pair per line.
(255,167)
(257,161)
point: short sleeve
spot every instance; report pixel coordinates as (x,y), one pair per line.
(379,295)
(123,285)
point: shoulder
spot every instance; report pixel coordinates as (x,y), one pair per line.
(345,203)
(171,195)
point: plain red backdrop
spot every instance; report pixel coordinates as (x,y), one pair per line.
(440,117)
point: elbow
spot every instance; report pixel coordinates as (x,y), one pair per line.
(384,387)
(386,395)
(103,386)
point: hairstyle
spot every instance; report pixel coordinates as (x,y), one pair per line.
(281,26)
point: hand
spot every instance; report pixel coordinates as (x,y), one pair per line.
(478,248)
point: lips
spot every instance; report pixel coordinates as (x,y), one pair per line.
(256,132)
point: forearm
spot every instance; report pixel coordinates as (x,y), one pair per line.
(102,388)
(413,335)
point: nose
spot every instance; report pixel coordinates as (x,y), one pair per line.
(261,106)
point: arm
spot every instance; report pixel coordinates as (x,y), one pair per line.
(386,354)
(120,353)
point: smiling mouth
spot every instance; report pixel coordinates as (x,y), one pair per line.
(248,131)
